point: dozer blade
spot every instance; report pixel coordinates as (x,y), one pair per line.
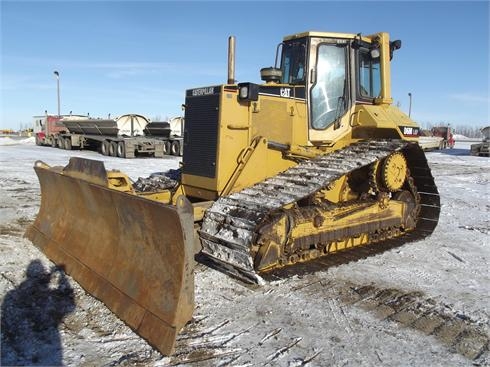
(134,254)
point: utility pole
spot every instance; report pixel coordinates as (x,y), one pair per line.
(410,105)
(58,89)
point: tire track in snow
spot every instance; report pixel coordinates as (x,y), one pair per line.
(459,332)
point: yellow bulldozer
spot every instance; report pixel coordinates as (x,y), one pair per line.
(313,161)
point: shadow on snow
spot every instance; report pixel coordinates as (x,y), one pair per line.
(31,314)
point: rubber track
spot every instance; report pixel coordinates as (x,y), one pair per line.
(230,226)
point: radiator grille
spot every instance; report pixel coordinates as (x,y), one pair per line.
(201,135)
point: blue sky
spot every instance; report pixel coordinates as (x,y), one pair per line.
(125,56)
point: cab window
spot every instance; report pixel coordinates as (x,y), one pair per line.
(369,75)
(293,63)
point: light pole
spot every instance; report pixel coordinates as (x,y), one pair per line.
(410,105)
(58,89)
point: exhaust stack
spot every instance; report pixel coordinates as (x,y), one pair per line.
(231,60)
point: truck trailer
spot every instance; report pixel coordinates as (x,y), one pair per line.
(482,149)
(126,136)
(171,132)
(121,137)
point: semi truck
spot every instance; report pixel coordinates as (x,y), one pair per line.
(47,127)
(437,138)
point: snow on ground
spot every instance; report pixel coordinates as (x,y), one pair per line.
(464,139)
(16,140)
(424,303)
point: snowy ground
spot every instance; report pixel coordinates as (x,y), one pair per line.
(422,304)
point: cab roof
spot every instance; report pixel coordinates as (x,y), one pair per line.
(327,35)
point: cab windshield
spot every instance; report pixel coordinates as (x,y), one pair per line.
(328,91)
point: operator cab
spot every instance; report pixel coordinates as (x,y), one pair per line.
(338,71)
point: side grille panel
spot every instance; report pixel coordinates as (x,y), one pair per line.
(201,135)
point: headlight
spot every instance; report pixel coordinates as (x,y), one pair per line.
(243,91)
(375,53)
(248,92)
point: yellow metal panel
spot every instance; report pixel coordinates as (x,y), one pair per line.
(199,187)
(263,163)
(273,120)
(234,136)
(300,123)
(281,120)
(380,121)
(161,196)
(384,44)
(385,116)
(332,133)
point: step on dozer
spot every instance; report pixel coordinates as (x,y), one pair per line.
(134,254)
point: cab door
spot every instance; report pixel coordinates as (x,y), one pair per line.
(329,90)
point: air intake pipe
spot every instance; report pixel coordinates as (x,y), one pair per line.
(231,60)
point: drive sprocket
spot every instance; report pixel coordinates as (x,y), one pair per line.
(394,171)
